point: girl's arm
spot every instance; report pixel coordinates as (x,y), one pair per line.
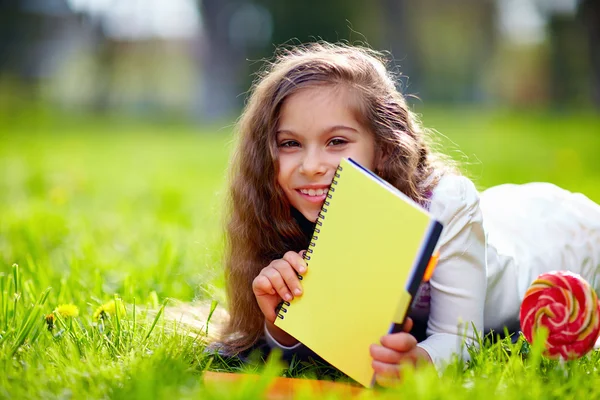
(277,336)
(275,342)
(458,285)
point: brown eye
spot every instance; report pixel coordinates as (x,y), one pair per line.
(289,143)
(337,142)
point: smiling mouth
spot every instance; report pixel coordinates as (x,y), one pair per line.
(314,192)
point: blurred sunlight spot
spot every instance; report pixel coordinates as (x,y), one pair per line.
(521,22)
(92,7)
(144,19)
(565,7)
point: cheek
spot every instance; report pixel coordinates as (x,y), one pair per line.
(283,173)
(367,156)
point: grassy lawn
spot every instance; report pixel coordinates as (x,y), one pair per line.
(98,209)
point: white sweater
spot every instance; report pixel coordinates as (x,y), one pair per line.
(493,245)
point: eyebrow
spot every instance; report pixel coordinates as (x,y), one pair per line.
(324,132)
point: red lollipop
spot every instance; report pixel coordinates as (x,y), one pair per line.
(568,307)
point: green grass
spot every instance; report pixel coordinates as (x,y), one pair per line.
(94,208)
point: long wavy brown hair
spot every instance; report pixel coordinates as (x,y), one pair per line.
(260,227)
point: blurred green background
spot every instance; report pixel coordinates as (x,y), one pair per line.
(116,118)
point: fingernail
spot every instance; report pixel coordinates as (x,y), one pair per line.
(287,297)
(297,292)
(302,269)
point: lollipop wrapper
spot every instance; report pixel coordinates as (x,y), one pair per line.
(567,306)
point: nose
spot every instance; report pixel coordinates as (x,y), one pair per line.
(313,164)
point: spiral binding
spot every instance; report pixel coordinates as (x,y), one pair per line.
(280,309)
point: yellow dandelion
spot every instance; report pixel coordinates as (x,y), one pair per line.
(109,309)
(67,310)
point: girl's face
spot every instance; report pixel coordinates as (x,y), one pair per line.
(316,129)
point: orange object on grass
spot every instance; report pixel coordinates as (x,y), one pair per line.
(285,388)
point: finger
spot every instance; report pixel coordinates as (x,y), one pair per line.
(268,311)
(290,277)
(296,261)
(401,341)
(262,285)
(385,354)
(278,283)
(408,324)
(385,369)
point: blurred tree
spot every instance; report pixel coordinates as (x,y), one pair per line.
(452,43)
(239,34)
(221,66)
(569,78)
(589,10)
(30,45)
(333,20)
(105,58)
(399,39)
(295,22)
(9,33)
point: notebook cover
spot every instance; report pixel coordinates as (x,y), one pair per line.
(367,260)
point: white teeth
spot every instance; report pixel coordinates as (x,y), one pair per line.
(314,192)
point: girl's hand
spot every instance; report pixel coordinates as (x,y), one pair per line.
(278,281)
(395,350)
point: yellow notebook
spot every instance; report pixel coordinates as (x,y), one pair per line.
(368,254)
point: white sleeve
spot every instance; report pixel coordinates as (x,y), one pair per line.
(458,284)
(272,343)
(288,352)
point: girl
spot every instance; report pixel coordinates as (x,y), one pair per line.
(321,102)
